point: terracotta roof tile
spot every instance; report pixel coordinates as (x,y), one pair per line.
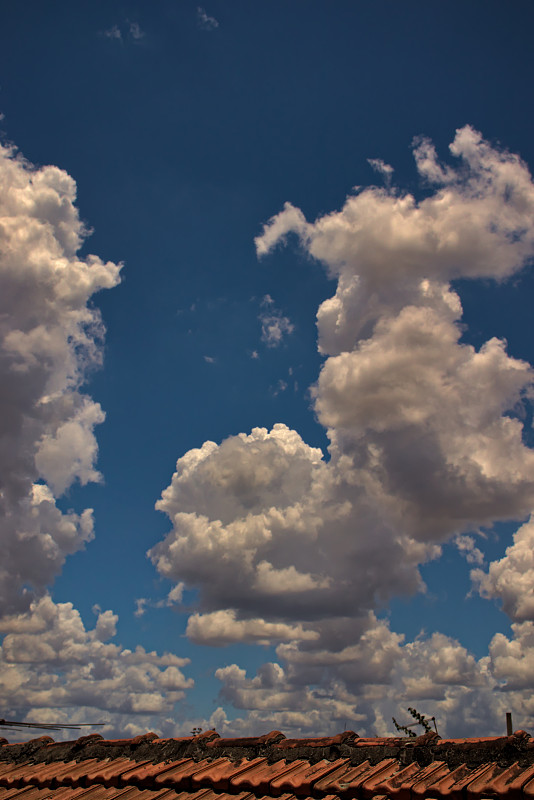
(71,773)
(327,785)
(302,780)
(221,774)
(204,794)
(179,774)
(510,785)
(463,779)
(347,782)
(142,773)
(259,779)
(372,782)
(49,774)
(210,794)
(208,767)
(528,789)
(482,785)
(5,768)
(396,784)
(422,782)
(29,793)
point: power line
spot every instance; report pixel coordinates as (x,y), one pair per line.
(46,726)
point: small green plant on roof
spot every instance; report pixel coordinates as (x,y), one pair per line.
(420,720)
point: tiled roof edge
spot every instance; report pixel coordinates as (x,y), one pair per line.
(274,746)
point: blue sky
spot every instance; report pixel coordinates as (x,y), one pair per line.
(286,565)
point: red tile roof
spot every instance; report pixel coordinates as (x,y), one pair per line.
(208,767)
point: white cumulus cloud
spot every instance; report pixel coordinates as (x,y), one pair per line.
(51,664)
(50,336)
(426,446)
(221,628)
(511,578)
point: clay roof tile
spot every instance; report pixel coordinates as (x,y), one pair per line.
(208,767)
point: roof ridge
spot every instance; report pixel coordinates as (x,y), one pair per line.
(274,746)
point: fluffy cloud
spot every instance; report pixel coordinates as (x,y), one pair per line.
(512,660)
(466,546)
(50,336)
(511,578)
(426,445)
(263,526)
(362,686)
(476,224)
(221,628)
(244,475)
(424,418)
(274,325)
(52,667)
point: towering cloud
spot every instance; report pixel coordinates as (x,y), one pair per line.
(51,666)
(50,336)
(425,444)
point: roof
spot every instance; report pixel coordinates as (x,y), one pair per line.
(208,767)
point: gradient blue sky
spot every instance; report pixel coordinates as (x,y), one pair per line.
(186,129)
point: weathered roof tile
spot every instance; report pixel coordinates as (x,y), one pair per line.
(208,767)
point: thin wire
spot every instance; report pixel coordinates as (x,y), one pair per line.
(47,726)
